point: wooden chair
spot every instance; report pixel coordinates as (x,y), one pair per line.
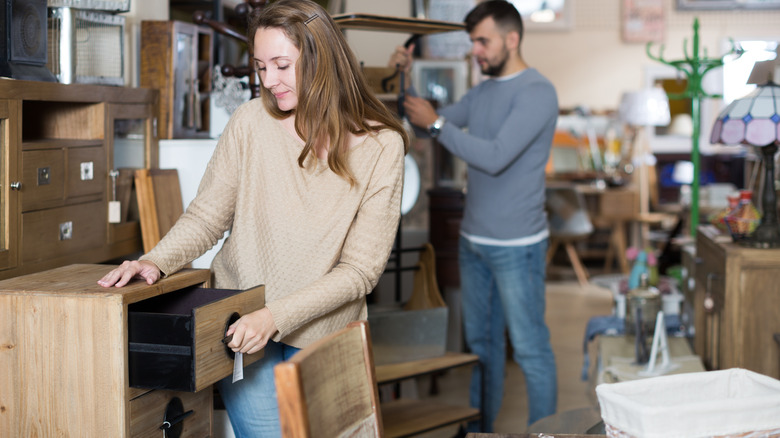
(329,388)
(569,222)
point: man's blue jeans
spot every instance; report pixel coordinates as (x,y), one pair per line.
(503,288)
(251,403)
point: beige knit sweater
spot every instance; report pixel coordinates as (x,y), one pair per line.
(317,244)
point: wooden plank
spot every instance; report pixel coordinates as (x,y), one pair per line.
(399,371)
(159,203)
(410,417)
(53,348)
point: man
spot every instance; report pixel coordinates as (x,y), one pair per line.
(511,120)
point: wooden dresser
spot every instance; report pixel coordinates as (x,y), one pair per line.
(68,354)
(58,144)
(736,304)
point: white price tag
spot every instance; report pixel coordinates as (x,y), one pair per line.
(114,212)
(238,367)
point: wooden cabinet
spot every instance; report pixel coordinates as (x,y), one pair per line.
(58,145)
(444,216)
(404,417)
(736,304)
(65,354)
(176,58)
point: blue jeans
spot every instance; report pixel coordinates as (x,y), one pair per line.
(251,403)
(503,288)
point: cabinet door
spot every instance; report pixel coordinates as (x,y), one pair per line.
(192,80)
(9,183)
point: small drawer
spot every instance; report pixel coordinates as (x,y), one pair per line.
(86,171)
(176,339)
(43,176)
(62,231)
(149,412)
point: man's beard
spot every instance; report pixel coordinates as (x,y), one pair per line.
(496,69)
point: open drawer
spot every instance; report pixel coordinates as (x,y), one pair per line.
(175,339)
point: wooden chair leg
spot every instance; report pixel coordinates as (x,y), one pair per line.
(579,269)
(551,250)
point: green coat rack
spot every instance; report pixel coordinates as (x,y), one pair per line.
(694,68)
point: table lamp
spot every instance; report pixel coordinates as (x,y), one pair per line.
(642,109)
(754,120)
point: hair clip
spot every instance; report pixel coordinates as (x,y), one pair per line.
(310,19)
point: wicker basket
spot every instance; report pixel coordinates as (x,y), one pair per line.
(726,403)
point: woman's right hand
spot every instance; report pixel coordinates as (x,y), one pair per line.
(128,270)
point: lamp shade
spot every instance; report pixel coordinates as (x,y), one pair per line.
(753,119)
(648,107)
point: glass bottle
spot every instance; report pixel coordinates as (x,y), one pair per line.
(744,220)
(643,305)
(718,219)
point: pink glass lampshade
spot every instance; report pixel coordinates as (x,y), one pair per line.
(753,120)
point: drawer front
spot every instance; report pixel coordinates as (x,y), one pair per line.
(175,340)
(212,361)
(148,412)
(86,171)
(57,232)
(43,177)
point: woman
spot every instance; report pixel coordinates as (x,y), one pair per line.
(308,181)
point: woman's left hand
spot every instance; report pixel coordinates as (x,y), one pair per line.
(252,331)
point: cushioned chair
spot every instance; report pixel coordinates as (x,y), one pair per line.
(569,222)
(329,389)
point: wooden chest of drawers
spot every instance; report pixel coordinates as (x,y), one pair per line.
(64,352)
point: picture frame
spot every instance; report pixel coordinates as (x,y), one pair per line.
(442,80)
(643,21)
(727,4)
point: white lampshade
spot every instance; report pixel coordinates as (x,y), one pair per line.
(683,172)
(648,107)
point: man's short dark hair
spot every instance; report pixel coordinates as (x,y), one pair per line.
(502,12)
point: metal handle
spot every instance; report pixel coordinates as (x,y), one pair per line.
(167,424)
(16,185)
(173,417)
(709,300)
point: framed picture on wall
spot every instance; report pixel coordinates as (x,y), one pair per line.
(727,4)
(643,21)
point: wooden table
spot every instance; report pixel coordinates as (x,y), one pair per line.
(614,351)
(614,208)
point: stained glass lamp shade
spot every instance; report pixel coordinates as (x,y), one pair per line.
(754,120)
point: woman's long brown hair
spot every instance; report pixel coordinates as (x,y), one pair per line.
(334,98)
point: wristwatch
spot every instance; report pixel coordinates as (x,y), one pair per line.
(434,129)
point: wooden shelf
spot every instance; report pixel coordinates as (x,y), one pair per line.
(410,417)
(403,418)
(395,24)
(405,370)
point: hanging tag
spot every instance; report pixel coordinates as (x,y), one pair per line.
(238,367)
(114,206)
(114,212)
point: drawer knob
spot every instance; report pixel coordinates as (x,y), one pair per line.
(174,415)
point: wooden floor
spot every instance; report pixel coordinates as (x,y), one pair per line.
(569,307)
